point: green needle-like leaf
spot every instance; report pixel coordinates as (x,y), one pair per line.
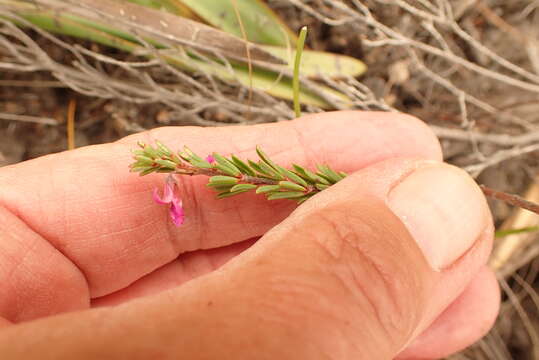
(265,158)
(321,186)
(301,200)
(227,164)
(285,195)
(244,168)
(227,170)
(200,163)
(329,174)
(223,195)
(291,186)
(220,180)
(166,163)
(148,171)
(164,149)
(292,176)
(306,174)
(267,188)
(144,159)
(243,187)
(257,168)
(270,171)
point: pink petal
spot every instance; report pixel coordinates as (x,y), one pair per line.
(176,212)
(210,159)
(168,194)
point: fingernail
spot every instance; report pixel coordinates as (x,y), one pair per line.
(442,208)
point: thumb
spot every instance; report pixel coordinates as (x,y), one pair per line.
(364,267)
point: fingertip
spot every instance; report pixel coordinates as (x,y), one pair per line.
(462,323)
(403,134)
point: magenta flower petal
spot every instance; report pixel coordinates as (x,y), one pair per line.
(176,212)
(210,159)
(172,199)
(166,199)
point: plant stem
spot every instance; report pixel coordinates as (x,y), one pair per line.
(186,169)
(295,78)
(512,199)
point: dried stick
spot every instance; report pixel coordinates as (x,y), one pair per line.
(512,199)
(28,118)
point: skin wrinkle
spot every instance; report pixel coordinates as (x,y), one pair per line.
(147,245)
(17,306)
(205,263)
(281,312)
(127,246)
(289,308)
(396,307)
(318,216)
(20,262)
(78,272)
(353,273)
(72,262)
(240,219)
(341,225)
(392,287)
(211,261)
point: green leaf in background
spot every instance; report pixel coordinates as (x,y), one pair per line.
(316,63)
(313,63)
(507,232)
(171,6)
(261,24)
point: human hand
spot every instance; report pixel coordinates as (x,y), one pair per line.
(341,277)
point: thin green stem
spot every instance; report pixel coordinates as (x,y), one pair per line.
(507,232)
(297,61)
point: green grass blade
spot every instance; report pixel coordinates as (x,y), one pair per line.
(297,62)
(507,232)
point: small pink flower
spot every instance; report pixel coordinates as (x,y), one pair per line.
(210,159)
(170,197)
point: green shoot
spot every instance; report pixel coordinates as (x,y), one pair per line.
(295,81)
(504,233)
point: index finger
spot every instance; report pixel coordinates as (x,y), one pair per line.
(103,220)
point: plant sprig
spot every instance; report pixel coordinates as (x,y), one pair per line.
(230,176)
